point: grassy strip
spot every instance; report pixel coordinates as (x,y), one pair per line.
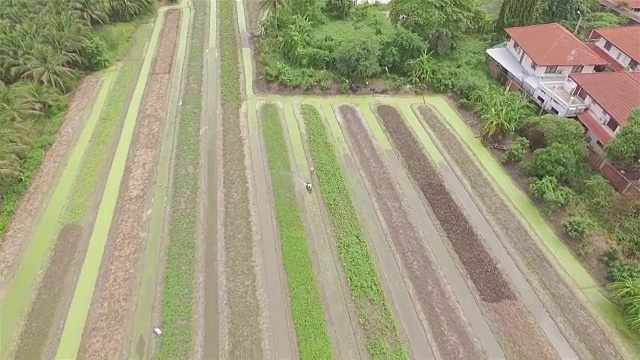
(306,306)
(176,341)
(104,135)
(374,311)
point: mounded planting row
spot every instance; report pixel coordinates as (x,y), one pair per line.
(178,288)
(449,330)
(306,305)
(243,309)
(110,320)
(373,308)
(521,336)
(71,244)
(587,331)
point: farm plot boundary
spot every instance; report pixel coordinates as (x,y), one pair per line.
(377,320)
(522,338)
(511,207)
(110,318)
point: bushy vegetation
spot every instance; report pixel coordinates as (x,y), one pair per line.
(46,46)
(625,147)
(372,306)
(306,306)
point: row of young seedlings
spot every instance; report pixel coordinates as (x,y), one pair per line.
(180,268)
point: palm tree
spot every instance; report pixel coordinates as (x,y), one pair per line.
(46,66)
(40,99)
(125,10)
(14,108)
(275,6)
(91,11)
(627,292)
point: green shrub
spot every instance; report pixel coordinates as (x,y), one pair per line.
(515,153)
(554,195)
(619,267)
(626,291)
(578,226)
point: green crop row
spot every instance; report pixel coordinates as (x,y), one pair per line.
(105,134)
(230,73)
(179,288)
(306,306)
(374,310)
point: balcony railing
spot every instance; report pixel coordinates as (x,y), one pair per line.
(555,89)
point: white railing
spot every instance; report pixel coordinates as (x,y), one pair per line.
(574,105)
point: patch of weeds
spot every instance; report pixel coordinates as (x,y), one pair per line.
(179,288)
(306,306)
(374,312)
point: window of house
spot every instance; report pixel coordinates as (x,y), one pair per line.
(517,47)
(600,143)
(613,125)
(582,94)
(619,56)
(534,65)
(551,69)
(555,111)
(541,99)
(608,45)
(633,64)
(577,69)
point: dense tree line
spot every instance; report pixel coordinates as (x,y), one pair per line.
(45,48)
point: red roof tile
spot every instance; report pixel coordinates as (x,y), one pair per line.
(616,66)
(553,45)
(598,130)
(625,38)
(635,75)
(618,93)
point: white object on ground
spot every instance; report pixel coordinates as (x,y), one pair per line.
(157,330)
(309,187)
(312,170)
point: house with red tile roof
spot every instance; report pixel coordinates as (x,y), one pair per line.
(619,46)
(538,60)
(610,98)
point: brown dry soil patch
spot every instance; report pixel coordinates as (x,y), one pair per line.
(109,320)
(567,309)
(25,219)
(42,316)
(480,266)
(449,329)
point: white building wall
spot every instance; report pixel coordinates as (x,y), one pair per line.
(614,52)
(592,141)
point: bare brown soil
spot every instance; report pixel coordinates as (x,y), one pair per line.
(109,321)
(41,318)
(586,335)
(449,329)
(34,199)
(480,266)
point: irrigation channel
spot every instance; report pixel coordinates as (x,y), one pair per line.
(179,215)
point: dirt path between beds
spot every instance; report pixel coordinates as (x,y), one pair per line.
(110,318)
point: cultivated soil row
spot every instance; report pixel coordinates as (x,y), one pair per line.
(44,322)
(582,330)
(521,336)
(242,333)
(449,330)
(33,201)
(109,321)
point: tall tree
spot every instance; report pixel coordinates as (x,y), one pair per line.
(439,22)
(516,13)
(567,12)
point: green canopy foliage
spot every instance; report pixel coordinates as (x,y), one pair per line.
(516,13)
(625,147)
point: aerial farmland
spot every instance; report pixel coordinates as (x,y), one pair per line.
(186,210)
